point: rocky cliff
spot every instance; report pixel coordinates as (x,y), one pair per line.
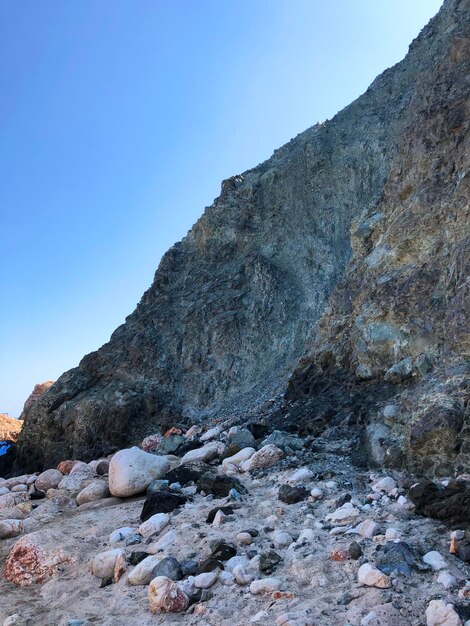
(347,249)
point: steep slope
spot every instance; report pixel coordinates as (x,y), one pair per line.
(232,305)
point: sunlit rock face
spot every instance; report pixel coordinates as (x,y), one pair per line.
(346,248)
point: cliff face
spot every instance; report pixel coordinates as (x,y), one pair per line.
(350,239)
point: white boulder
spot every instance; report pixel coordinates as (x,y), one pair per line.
(132,470)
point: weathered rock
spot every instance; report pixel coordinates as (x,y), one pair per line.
(238,458)
(226,510)
(222,550)
(120,534)
(209,565)
(435,560)
(49,479)
(165,596)
(142,573)
(65,467)
(154,524)
(397,557)
(184,474)
(97,490)
(372,577)
(268,562)
(102,467)
(240,438)
(346,514)
(265,585)
(449,503)
(282,539)
(302,475)
(438,613)
(36,557)
(206,580)
(368,528)
(12,499)
(151,442)
(206,453)
(267,456)
(446,579)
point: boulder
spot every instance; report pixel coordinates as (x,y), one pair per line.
(65,467)
(142,573)
(265,585)
(219,485)
(132,470)
(292,494)
(49,479)
(438,613)
(450,503)
(104,564)
(97,490)
(267,456)
(372,577)
(206,453)
(36,557)
(166,596)
(163,501)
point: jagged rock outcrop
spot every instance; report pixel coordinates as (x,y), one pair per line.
(393,344)
(36,393)
(352,240)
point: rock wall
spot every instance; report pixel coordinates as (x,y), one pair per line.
(393,344)
(366,210)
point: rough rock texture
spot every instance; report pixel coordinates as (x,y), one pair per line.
(36,393)
(351,238)
(9,427)
(36,557)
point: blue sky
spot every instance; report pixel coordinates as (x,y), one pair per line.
(118,121)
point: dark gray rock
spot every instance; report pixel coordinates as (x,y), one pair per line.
(449,504)
(269,560)
(222,550)
(355,550)
(212,563)
(292,495)
(397,557)
(163,501)
(136,557)
(219,485)
(168,567)
(285,441)
(227,510)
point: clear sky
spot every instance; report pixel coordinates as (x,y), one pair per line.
(118,121)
